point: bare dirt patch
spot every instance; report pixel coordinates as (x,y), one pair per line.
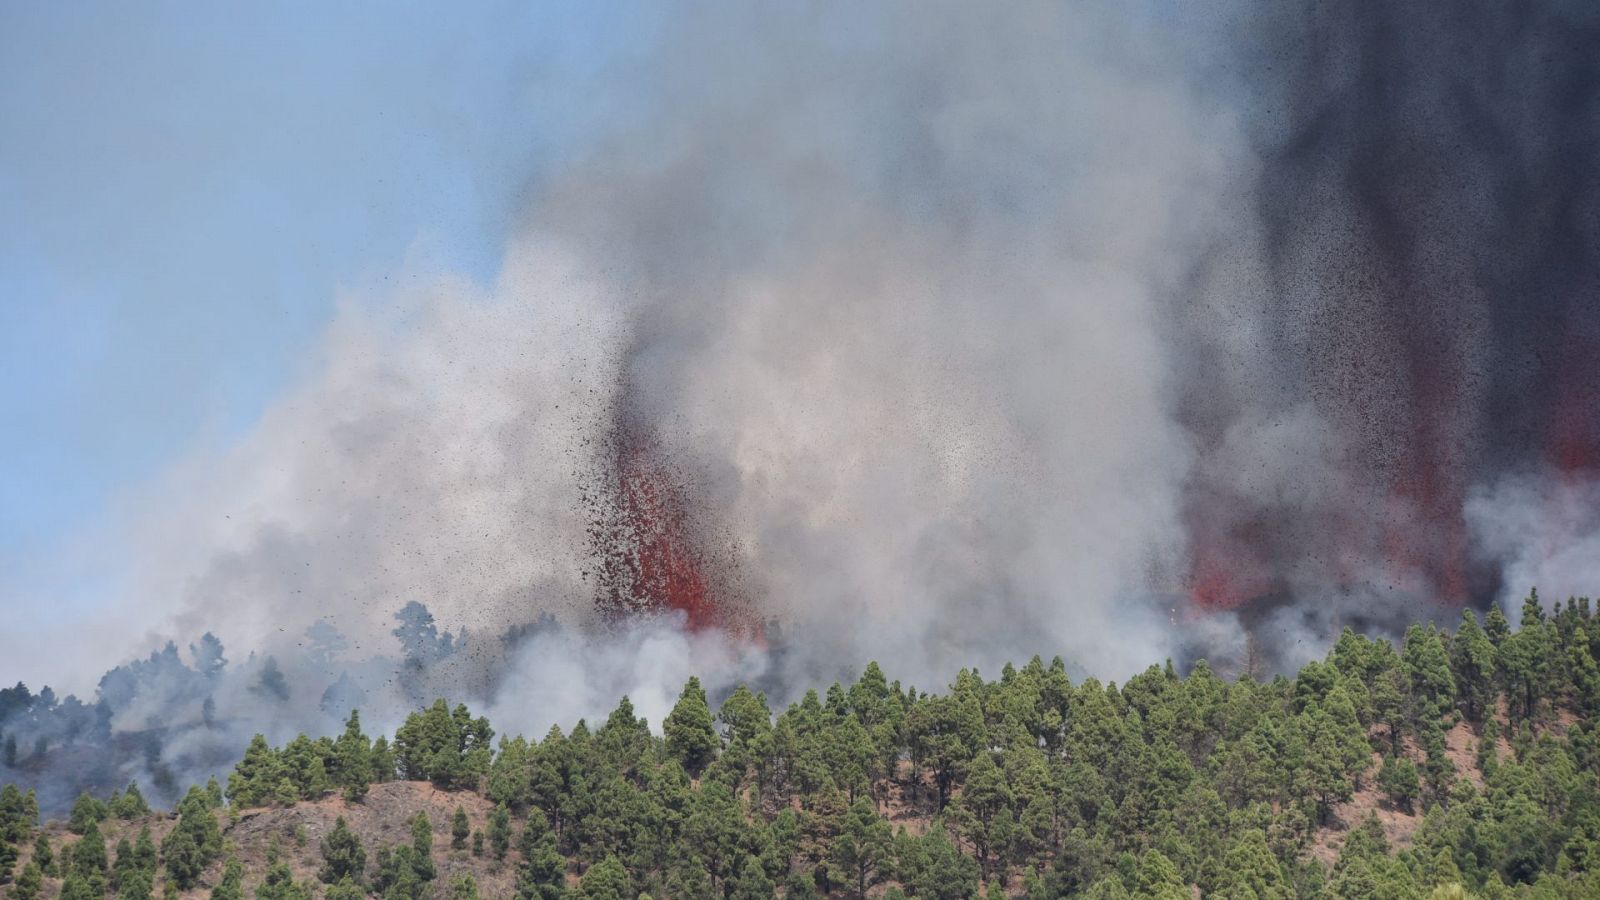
(1399,827)
(382,819)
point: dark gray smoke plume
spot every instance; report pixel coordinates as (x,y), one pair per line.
(1420,279)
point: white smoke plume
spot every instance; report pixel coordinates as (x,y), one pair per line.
(430,457)
(1546,531)
(895,304)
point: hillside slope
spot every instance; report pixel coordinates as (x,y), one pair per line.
(1463,764)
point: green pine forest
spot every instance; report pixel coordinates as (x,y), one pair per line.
(1453,765)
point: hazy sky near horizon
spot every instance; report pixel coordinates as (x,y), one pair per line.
(187,191)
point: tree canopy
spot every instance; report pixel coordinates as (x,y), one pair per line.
(1479,747)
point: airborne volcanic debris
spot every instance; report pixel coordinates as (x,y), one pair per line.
(1426,293)
(649,553)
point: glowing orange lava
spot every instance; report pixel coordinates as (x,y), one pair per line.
(666,569)
(651,554)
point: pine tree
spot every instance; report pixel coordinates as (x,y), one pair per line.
(750,739)
(43,855)
(343,856)
(510,774)
(86,811)
(1398,779)
(286,794)
(715,831)
(144,851)
(353,759)
(1437,769)
(937,733)
(1427,667)
(500,831)
(624,739)
(1443,871)
(942,871)
(1355,752)
(278,883)
(194,843)
(78,887)
(1389,703)
(18,813)
(1584,674)
(851,757)
(231,887)
(1523,660)
(1472,665)
(89,853)
(29,884)
(383,763)
(1365,841)
(422,847)
(347,889)
(255,779)
(208,656)
(1158,879)
(861,849)
(302,765)
(122,864)
(1495,627)
(1165,785)
(605,880)
(426,747)
(752,883)
(690,736)
(137,884)
(1251,867)
(1336,751)
(130,804)
(984,797)
(271,684)
(543,872)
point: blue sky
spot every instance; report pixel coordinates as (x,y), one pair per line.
(185,188)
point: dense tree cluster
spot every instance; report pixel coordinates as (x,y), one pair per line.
(307,769)
(1486,741)
(19,813)
(196,841)
(84,867)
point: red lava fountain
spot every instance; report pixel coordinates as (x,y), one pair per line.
(651,555)
(665,571)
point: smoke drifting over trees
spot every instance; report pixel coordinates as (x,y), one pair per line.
(952,336)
